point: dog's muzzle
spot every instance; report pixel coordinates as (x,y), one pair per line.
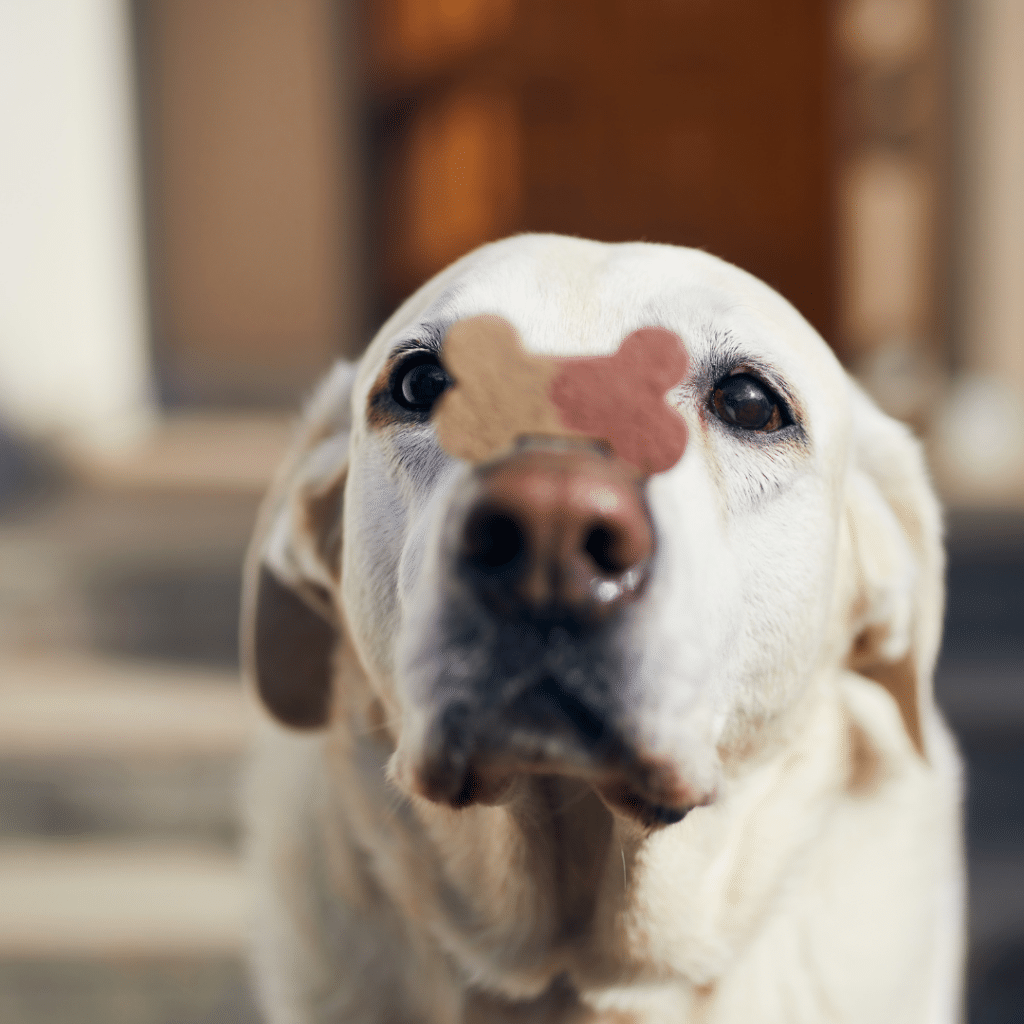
(551,546)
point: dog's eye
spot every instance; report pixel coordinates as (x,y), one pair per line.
(745,402)
(419,383)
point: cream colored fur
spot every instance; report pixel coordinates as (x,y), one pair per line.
(783,662)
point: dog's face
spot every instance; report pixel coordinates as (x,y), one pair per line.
(548,599)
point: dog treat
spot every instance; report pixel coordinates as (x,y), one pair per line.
(502,392)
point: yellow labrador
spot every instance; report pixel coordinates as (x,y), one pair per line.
(622,712)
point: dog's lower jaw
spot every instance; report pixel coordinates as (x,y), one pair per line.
(626,802)
(462,759)
(565,864)
(562,879)
(624,795)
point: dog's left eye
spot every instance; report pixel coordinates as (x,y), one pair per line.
(419,383)
(744,401)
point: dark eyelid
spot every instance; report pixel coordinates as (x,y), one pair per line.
(382,408)
(407,354)
(764,376)
(736,364)
(412,353)
(727,356)
(406,348)
(771,391)
(427,337)
(402,362)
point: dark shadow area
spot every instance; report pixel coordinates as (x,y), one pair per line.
(28,476)
(176,800)
(182,614)
(995,797)
(996,986)
(130,990)
(980,685)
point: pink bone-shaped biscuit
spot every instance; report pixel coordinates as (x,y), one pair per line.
(621,398)
(502,392)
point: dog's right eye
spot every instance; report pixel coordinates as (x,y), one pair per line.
(419,382)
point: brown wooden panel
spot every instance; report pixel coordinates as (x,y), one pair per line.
(689,121)
(413,39)
(456,181)
(241,116)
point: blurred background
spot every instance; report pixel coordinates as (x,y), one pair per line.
(204,202)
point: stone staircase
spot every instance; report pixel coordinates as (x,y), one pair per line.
(122,730)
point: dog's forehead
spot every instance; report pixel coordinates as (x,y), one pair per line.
(571,297)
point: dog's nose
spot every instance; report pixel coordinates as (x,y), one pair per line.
(555,531)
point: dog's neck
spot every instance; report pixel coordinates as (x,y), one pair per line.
(552,883)
(569,834)
(552,854)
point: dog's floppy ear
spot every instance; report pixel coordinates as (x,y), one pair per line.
(894,532)
(290,621)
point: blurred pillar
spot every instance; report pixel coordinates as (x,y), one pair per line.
(981,441)
(891,258)
(253,195)
(993,158)
(73,340)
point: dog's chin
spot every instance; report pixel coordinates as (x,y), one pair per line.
(498,783)
(461,764)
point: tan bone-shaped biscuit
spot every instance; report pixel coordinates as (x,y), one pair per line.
(502,392)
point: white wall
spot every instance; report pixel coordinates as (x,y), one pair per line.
(73,335)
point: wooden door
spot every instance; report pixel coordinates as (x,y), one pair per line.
(697,122)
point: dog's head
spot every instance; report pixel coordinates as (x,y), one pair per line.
(604,511)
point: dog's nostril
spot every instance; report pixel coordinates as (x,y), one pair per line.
(494,540)
(602,544)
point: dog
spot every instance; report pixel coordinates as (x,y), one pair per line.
(595,612)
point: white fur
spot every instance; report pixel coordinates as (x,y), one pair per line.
(824,879)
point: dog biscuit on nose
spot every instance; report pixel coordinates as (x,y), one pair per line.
(620,398)
(502,392)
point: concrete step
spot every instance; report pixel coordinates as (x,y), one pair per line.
(196,453)
(140,574)
(121,892)
(61,705)
(132,751)
(125,990)
(150,799)
(88,899)
(100,748)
